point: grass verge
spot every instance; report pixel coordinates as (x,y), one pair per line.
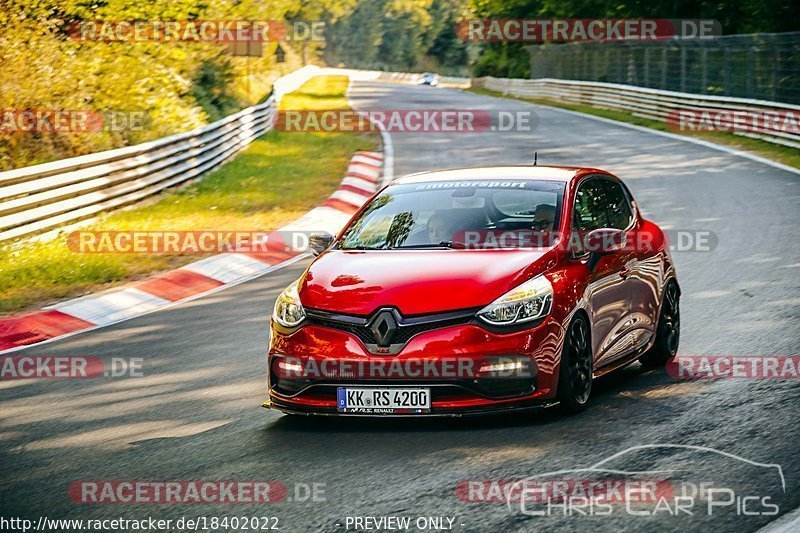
(273,181)
(776,152)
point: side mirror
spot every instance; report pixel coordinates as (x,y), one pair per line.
(602,242)
(319,242)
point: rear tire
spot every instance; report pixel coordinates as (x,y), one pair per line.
(575,374)
(668,331)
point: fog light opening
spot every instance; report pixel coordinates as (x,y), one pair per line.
(501,367)
(290,369)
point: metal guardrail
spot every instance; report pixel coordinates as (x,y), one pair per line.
(42,197)
(653,104)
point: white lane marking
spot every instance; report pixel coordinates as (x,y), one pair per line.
(388,147)
(360,183)
(367,170)
(320,219)
(351,197)
(227,268)
(113,306)
(388,155)
(674,136)
(368,158)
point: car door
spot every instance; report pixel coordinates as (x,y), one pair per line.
(645,281)
(598,205)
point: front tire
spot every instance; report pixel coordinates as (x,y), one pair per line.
(668,331)
(575,374)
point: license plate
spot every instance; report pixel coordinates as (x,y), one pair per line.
(383,401)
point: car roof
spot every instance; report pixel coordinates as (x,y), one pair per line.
(518,172)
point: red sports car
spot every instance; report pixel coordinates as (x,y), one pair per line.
(473,291)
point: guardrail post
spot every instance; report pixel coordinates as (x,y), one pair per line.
(775,73)
(586,65)
(704,76)
(683,67)
(726,81)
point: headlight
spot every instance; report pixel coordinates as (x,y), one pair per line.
(288,310)
(530,301)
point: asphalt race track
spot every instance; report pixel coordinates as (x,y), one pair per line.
(195,414)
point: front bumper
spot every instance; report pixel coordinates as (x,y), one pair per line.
(314,346)
(293,409)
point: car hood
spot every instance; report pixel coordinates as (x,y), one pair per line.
(415,281)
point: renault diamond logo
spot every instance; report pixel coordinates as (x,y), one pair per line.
(384,326)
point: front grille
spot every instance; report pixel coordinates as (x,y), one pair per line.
(407,326)
(362,332)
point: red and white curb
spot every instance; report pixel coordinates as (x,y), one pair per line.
(202,277)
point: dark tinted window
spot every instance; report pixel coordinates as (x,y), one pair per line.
(601,203)
(619,208)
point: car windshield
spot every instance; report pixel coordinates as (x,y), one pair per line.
(452,213)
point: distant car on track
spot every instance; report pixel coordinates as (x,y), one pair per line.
(532,280)
(428,78)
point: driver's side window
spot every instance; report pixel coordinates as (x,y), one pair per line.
(601,203)
(589,213)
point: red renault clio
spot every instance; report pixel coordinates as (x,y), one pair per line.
(473,291)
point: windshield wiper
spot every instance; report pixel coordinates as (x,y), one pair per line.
(360,247)
(441,244)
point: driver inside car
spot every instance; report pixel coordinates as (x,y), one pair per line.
(440,229)
(544,217)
